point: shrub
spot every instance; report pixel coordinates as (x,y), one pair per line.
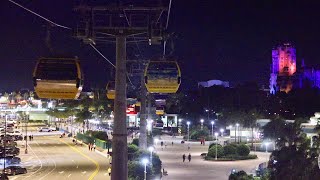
(197,134)
(136,170)
(132,148)
(230,149)
(212,151)
(243,150)
(135,141)
(212,144)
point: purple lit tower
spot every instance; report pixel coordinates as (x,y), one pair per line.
(283,67)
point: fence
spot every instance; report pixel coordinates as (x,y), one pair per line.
(99,143)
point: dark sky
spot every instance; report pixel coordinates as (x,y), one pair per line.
(228,40)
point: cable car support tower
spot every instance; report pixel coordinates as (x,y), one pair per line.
(124,24)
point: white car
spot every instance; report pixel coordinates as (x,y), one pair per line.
(45,129)
(15,133)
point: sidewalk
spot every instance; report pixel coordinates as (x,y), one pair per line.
(198,168)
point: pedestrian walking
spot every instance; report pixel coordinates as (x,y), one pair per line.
(31,137)
(183,157)
(89,146)
(109,171)
(94,147)
(188,146)
(189,157)
(172,143)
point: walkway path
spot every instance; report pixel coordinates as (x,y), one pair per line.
(198,168)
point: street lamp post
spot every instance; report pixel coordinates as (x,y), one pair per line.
(212,123)
(216,134)
(26,123)
(208,111)
(145,162)
(179,129)
(201,123)
(4,144)
(221,130)
(267,143)
(235,136)
(188,123)
(151,150)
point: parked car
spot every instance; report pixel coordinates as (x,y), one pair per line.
(13,170)
(53,128)
(10,160)
(45,129)
(18,137)
(4,177)
(11,151)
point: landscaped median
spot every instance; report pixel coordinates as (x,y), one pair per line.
(230,152)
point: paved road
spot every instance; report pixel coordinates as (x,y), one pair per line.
(51,157)
(198,168)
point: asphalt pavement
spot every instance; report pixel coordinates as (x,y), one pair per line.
(54,158)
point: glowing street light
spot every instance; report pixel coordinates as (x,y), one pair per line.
(151,148)
(145,162)
(188,123)
(201,123)
(212,123)
(216,134)
(221,130)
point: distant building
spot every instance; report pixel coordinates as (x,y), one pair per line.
(283,67)
(213,83)
(285,75)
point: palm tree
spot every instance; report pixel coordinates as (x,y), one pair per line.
(18,97)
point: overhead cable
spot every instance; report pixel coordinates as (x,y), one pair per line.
(102,55)
(46,19)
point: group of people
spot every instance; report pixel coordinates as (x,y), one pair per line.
(92,146)
(184,157)
(30,137)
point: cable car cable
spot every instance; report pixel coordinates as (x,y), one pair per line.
(168,17)
(109,61)
(46,19)
(102,55)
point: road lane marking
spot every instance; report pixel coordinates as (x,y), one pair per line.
(84,172)
(54,162)
(61,172)
(38,160)
(69,175)
(84,155)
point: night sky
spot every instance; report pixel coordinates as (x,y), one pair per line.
(226,40)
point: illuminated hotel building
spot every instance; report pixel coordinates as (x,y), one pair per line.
(283,68)
(284,74)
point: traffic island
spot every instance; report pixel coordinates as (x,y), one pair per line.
(230,152)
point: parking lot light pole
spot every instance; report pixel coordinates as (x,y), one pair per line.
(216,134)
(26,123)
(221,130)
(235,137)
(201,123)
(145,162)
(212,123)
(188,123)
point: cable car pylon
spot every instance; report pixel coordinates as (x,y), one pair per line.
(122,23)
